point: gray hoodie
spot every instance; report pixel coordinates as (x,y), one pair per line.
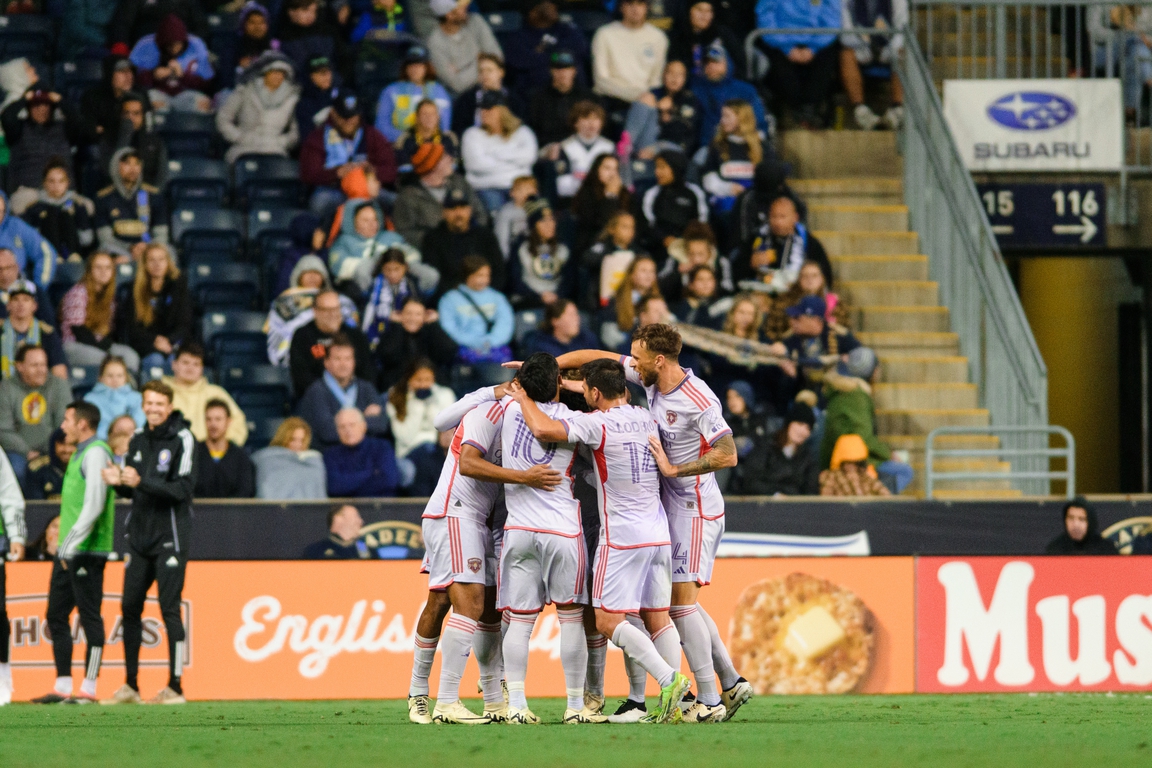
(28,415)
(104,233)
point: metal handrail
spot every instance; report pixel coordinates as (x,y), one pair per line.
(1068,452)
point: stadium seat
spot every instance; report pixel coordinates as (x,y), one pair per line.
(224,286)
(257,378)
(235,338)
(186,134)
(26,35)
(125,273)
(372,77)
(527,320)
(67,274)
(205,231)
(83,378)
(261,431)
(222,33)
(72,78)
(197,181)
(268,231)
(504,21)
(267,180)
(587,21)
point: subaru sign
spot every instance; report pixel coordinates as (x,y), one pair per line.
(1036,125)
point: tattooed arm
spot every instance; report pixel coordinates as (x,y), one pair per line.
(723,454)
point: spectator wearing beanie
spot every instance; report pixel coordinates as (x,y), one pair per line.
(317,92)
(174,66)
(259,117)
(419,205)
(396,109)
(307,239)
(425,130)
(337,146)
(497,151)
(627,57)
(37,131)
(541,269)
(458,235)
(136,18)
(850,473)
(455,45)
(253,40)
(533,47)
(100,113)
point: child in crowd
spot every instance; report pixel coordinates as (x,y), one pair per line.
(511,221)
(606,262)
(696,248)
(115,396)
(577,152)
(638,285)
(392,286)
(540,269)
(673,203)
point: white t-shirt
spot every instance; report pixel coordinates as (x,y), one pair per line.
(531,509)
(627,479)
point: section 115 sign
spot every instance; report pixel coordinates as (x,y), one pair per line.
(1057,215)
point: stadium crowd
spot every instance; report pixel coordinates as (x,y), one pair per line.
(347,212)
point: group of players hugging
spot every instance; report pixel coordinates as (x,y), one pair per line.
(542,473)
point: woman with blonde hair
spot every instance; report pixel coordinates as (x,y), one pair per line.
(733,155)
(88,315)
(288,468)
(497,151)
(639,283)
(156,313)
(744,319)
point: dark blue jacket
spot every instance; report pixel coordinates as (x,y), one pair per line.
(538,341)
(368,470)
(528,50)
(712,97)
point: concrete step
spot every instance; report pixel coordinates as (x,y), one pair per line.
(880,267)
(840,154)
(850,191)
(906,344)
(877,318)
(914,444)
(923,421)
(843,243)
(919,480)
(890,293)
(943,370)
(921,396)
(977,494)
(870,218)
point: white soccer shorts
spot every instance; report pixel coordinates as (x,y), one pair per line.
(694,544)
(458,550)
(540,568)
(629,580)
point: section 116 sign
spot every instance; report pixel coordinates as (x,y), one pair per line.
(1038,215)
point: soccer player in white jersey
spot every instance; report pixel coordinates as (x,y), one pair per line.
(459,549)
(544,559)
(694,442)
(633,559)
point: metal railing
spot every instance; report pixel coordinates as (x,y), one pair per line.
(1045,454)
(997,39)
(964,259)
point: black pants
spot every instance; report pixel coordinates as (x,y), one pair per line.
(165,566)
(80,586)
(5,627)
(802,84)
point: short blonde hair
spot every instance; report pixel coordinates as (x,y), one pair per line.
(288,428)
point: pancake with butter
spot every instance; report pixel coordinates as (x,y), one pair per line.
(801,634)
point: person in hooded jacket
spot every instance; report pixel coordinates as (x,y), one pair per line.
(135,130)
(307,29)
(317,91)
(63,217)
(785,465)
(37,128)
(700,30)
(259,117)
(175,67)
(130,213)
(1081,534)
(253,39)
(293,307)
(673,203)
(35,256)
(715,87)
(100,111)
(136,18)
(528,51)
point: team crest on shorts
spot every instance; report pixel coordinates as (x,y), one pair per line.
(165,459)
(474,564)
(672,417)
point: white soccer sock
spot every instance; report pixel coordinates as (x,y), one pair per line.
(422,657)
(88,687)
(457,642)
(486,643)
(636,644)
(721,661)
(64,686)
(637,677)
(516,655)
(597,653)
(698,650)
(667,643)
(573,654)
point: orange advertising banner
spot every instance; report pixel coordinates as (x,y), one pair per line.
(318,630)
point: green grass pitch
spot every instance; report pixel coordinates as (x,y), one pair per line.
(1006,730)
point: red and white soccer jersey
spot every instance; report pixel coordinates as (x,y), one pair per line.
(544,558)
(691,421)
(457,540)
(632,569)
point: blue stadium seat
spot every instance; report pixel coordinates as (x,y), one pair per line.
(67,274)
(527,320)
(200,230)
(83,378)
(267,180)
(186,134)
(235,338)
(257,378)
(504,21)
(224,286)
(197,181)
(261,431)
(587,21)
(371,78)
(268,228)
(72,78)
(26,35)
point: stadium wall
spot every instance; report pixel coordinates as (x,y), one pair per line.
(340,629)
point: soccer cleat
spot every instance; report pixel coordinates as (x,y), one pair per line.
(736,697)
(418,710)
(504,690)
(628,712)
(594,703)
(125,694)
(524,716)
(687,702)
(167,696)
(865,117)
(585,715)
(670,696)
(497,713)
(50,698)
(702,713)
(457,714)
(80,698)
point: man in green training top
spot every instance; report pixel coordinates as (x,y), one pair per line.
(87,518)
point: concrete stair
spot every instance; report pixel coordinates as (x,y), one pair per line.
(850,191)
(862,218)
(925,395)
(867,243)
(911,344)
(921,421)
(890,293)
(892,319)
(876,267)
(932,369)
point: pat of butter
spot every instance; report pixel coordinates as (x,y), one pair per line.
(813,634)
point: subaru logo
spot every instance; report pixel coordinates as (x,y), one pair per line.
(1031,110)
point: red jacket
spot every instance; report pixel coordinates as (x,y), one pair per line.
(372,143)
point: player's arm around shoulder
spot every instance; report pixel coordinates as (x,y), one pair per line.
(544,428)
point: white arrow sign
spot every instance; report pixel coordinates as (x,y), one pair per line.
(1086,229)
